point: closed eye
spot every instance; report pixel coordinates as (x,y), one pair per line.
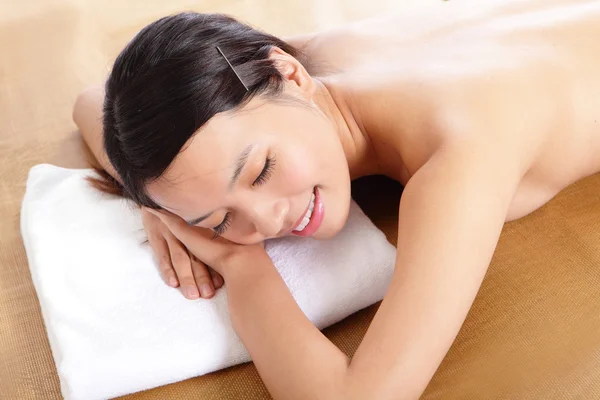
(265,174)
(262,178)
(222,227)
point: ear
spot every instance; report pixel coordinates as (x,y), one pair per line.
(293,72)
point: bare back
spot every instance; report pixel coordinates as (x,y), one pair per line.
(527,68)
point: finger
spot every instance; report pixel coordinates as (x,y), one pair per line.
(196,239)
(183,268)
(202,277)
(161,252)
(216,278)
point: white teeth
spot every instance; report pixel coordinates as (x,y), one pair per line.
(302,225)
(311,207)
(307,216)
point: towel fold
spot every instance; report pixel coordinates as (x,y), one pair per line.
(113,325)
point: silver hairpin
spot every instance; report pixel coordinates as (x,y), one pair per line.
(233,69)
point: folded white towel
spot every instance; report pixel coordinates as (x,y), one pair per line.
(116,328)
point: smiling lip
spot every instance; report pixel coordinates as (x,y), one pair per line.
(315,219)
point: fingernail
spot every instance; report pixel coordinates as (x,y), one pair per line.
(192,292)
(216,281)
(206,290)
(172,281)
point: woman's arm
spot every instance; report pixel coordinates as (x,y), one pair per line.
(451,215)
(176,267)
(87,114)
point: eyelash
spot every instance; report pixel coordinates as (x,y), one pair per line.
(264,175)
(222,227)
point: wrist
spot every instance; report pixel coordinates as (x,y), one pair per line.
(246,266)
(250,285)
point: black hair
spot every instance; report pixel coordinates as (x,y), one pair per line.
(168,82)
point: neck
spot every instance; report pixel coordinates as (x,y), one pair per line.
(340,109)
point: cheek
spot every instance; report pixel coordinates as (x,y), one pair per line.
(298,170)
(310,163)
(297,176)
(311,155)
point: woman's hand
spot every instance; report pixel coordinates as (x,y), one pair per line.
(177,266)
(220,254)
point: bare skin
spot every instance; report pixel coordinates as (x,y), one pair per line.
(528,68)
(484,112)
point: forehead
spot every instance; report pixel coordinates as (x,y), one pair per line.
(199,175)
(202,169)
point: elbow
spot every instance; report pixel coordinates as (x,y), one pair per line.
(343,387)
(360,387)
(85,104)
(76,112)
(78,107)
(334,383)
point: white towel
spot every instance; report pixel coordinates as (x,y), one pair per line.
(113,325)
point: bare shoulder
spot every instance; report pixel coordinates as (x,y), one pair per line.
(414,114)
(484,72)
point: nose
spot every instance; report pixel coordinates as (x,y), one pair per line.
(269,216)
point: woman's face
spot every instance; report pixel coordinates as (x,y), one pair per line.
(251,174)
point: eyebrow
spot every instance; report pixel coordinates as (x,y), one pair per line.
(199,219)
(241,163)
(239,167)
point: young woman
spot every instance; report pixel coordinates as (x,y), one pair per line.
(483,112)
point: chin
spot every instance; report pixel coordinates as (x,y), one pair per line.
(333,223)
(328,234)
